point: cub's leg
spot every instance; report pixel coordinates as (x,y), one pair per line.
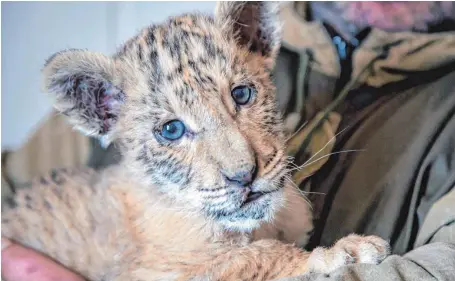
(270,259)
(351,249)
(58,217)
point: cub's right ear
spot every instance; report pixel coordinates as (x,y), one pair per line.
(85,87)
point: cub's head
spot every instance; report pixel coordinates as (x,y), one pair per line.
(192,106)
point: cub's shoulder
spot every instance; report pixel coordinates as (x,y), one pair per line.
(66,214)
(57,187)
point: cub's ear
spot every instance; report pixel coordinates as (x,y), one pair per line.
(84,87)
(256,25)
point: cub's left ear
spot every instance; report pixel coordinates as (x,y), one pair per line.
(256,25)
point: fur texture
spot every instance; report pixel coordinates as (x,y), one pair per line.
(168,212)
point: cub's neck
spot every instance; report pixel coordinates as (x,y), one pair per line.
(152,216)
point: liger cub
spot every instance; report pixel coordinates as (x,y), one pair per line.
(191,105)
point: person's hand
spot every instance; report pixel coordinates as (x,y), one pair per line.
(22,264)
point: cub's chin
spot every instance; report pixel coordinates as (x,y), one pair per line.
(258,208)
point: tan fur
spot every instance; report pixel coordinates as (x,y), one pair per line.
(142,238)
(167,211)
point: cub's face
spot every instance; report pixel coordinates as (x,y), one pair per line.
(192,105)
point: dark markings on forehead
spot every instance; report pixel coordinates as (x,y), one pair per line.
(145,115)
(184,94)
(165,37)
(186,34)
(139,52)
(210,47)
(150,38)
(175,49)
(141,118)
(156,74)
(175,38)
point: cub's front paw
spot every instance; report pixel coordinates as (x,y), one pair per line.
(348,250)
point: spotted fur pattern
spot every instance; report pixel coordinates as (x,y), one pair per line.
(167,211)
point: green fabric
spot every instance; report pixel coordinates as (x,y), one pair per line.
(399,112)
(402,114)
(388,188)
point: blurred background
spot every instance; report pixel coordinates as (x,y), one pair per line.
(32,31)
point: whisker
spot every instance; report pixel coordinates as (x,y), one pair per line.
(327,155)
(333,138)
(297,131)
(292,164)
(302,196)
(289,180)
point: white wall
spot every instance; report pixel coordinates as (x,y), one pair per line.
(32,31)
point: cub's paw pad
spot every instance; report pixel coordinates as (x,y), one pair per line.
(348,250)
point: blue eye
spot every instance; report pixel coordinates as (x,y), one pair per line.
(173,130)
(242,94)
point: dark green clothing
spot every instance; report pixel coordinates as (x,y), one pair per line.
(400,111)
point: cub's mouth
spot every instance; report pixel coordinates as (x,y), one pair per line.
(254,196)
(256,204)
(257,195)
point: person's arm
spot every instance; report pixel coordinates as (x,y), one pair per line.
(22,264)
(435,261)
